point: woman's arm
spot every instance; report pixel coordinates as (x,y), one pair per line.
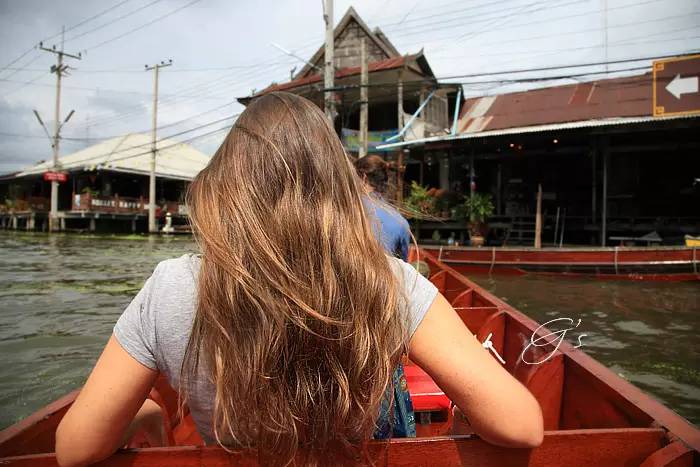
(500,409)
(95,425)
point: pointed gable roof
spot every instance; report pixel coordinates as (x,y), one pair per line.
(350,17)
(382,37)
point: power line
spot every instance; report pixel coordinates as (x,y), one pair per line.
(625,43)
(14,72)
(70,28)
(161,139)
(87,20)
(99,156)
(500,81)
(138,28)
(518,71)
(139,109)
(109,23)
(26,83)
(24,54)
(471,19)
(548,20)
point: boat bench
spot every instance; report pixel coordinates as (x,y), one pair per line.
(486,321)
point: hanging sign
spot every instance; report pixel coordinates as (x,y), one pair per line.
(675,86)
(351,139)
(59,177)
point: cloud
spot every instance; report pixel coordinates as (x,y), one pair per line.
(26,149)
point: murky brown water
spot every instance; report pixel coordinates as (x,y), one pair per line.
(646,332)
(61,295)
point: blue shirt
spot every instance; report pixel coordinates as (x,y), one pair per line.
(391,228)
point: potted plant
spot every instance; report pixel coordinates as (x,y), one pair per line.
(476,209)
(420,203)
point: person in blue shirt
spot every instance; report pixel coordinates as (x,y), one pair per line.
(391,228)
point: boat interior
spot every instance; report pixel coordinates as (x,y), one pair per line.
(591,415)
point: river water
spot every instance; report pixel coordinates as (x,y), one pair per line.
(61,295)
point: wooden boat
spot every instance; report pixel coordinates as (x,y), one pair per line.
(591,415)
(628,263)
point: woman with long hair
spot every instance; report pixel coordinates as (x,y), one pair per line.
(391,228)
(285,334)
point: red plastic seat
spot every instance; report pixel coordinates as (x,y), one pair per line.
(425,394)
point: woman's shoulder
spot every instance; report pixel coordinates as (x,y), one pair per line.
(185,264)
(184,267)
(418,290)
(174,280)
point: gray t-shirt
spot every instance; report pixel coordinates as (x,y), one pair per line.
(155,327)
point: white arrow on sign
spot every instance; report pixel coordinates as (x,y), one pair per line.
(679,86)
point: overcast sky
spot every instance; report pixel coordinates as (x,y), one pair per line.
(221,49)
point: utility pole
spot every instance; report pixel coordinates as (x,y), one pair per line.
(329,68)
(364,104)
(59,69)
(152,228)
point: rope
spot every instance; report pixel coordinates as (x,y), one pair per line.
(616,249)
(440,254)
(493,258)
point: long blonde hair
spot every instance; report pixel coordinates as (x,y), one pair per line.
(297,320)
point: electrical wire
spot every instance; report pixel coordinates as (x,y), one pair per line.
(142,26)
(87,20)
(115,20)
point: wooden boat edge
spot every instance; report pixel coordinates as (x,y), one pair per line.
(638,443)
(664,416)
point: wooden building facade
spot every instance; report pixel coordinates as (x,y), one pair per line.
(397,86)
(610,171)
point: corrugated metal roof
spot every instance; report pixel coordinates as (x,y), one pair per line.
(534,129)
(131,154)
(595,100)
(615,101)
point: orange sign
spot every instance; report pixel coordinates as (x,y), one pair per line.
(675,86)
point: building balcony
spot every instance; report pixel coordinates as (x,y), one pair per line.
(116,204)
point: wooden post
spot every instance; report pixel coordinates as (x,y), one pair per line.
(604,219)
(421,173)
(593,152)
(399,174)
(364,80)
(399,99)
(423,93)
(472,175)
(499,189)
(538,218)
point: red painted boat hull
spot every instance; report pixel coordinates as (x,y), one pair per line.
(619,263)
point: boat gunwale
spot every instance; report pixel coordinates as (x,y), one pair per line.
(480,262)
(32,420)
(569,249)
(664,416)
(379,448)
